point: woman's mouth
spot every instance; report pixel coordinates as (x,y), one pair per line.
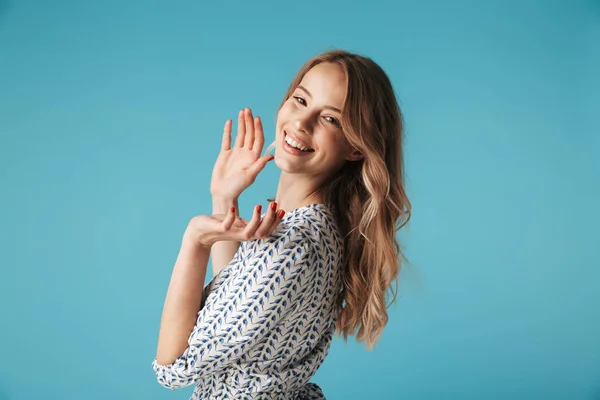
(292,144)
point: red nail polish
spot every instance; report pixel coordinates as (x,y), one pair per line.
(280,213)
(273,206)
(259,208)
(232,209)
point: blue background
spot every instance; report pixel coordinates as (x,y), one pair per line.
(111,116)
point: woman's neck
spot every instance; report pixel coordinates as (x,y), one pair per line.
(295,191)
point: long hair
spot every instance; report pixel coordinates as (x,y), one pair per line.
(367,197)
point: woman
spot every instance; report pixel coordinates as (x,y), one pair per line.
(264,324)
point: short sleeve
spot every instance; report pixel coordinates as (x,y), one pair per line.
(244,309)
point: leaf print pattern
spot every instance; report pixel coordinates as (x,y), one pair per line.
(267,319)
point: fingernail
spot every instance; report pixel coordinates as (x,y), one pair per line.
(280,213)
(259,208)
(232,209)
(273,206)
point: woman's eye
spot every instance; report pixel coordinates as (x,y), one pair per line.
(300,100)
(333,121)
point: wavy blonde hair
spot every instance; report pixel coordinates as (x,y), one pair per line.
(367,197)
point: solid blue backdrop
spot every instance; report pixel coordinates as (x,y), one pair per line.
(111,115)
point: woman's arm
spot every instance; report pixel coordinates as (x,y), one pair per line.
(228,326)
(235,169)
(185,332)
(222,252)
(183,299)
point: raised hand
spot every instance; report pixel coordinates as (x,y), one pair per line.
(206,230)
(236,167)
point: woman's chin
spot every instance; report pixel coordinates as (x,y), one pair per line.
(284,164)
(288,164)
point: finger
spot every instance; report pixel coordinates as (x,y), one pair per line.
(229,219)
(254,222)
(226,142)
(239,139)
(265,225)
(259,135)
(278,217)
(259,165)
(249,121)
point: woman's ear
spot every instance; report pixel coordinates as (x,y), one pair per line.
(355,156)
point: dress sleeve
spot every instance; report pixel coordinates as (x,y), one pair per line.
(243,310)
(215,283)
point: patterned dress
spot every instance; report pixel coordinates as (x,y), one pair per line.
(268,318)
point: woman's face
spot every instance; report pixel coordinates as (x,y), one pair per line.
(309,138)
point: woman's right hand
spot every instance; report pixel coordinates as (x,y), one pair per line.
(206,230)
(236,168)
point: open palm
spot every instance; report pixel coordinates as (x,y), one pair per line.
(209,229)
(236,167)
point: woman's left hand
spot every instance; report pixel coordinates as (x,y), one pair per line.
(206,230)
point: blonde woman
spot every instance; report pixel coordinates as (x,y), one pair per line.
(322,258)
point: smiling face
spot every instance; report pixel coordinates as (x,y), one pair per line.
(309,137)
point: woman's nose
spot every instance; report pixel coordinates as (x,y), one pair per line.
(301,124)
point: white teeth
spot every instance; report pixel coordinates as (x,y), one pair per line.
(295,144)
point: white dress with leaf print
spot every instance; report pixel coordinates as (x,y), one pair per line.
(268,318)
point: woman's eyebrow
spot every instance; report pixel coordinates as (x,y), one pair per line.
(310,95)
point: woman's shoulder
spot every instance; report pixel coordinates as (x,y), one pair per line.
(309,229)
(314,223)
